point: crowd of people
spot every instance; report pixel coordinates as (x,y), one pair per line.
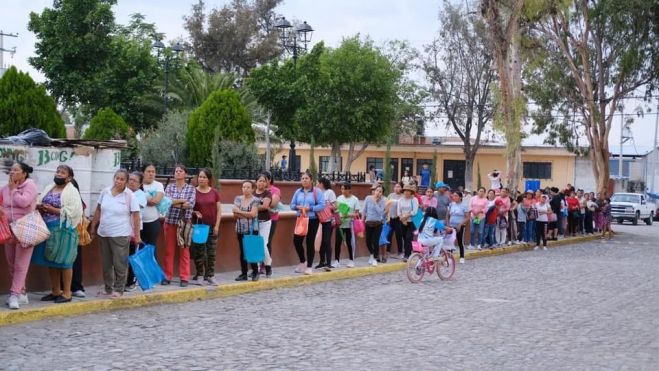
(136,208)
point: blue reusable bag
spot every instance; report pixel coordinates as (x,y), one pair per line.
(253,248)
(145,267)
(200,233)
(386,228)
(417,218)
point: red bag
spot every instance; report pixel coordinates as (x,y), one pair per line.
(325,215)
(5,231)
(301,224)
(337,220)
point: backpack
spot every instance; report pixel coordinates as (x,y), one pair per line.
(532,213)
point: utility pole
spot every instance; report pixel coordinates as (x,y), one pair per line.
(3,50)
(654,149)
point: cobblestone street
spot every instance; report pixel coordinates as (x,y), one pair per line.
(590,306)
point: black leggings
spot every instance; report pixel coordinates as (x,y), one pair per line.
(540,233)
(150,232)
(342,233)
(326,243)
(311,239)
(373,239)
(76,281)
(397,228)
(243,262)
(588,222)
(459,236)
(273,226)
(408,231)
(572,222)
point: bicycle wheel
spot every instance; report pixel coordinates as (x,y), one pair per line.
(445,266)
(415,267)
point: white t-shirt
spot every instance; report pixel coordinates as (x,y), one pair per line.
(329,196)
(495,181)
(150,212)
(116,211)
(542,212)
(353,204)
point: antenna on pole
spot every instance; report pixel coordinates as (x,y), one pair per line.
(3,50)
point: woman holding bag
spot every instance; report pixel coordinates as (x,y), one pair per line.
(325,218)
(151,217)
(245,211)
(60,205)
(265,203)
(178,227)
(374,215)
(208,210)
(307,201)
(117,216)
(408,206)
(19,197)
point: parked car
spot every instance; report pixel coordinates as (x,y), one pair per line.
(632,207)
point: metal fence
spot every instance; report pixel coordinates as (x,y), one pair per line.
(166,172)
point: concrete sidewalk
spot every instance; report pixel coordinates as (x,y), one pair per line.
(282,277)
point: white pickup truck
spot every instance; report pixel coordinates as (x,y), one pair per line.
(631,206)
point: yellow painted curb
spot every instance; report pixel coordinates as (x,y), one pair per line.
(233,289)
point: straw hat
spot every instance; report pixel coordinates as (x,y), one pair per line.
(409,187)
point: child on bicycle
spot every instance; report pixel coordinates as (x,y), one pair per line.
(432,232)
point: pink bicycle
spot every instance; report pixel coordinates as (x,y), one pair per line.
(422,261)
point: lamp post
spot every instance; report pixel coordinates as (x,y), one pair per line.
(294,40)
(165,58)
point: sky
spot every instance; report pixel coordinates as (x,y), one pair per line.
(332,20)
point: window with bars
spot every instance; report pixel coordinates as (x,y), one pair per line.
(537,170)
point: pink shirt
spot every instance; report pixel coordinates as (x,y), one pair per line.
(478,206)
(428,202)
(20,201)
(275,191)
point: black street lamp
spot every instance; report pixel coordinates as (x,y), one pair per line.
(165,58)
(294,40)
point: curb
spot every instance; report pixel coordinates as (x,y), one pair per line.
(233,289)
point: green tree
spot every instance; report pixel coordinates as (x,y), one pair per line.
(591,56)
(238,157)
(25,105)
(313,168)
(222,109)
(73,46)
(107,125)
(165,144)
(350,98)
(235,38)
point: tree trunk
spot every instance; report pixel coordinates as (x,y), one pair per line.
(469,170)
(352,155)
(335,158)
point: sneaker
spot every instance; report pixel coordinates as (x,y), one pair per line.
(370,260)
(351,264)
(79,294)
(510,243)
(22,299)
(470,247)
(210,281)
(242,277)
(129,288)
(336,265)
(462,260)
(268,271)
(13,302)
(320,265)
(536,247)
(544,248)
(308,271)
(183,283)
(255,276)
(300,268)
(165,282)
(197,281)
(374,263)
(479,247)
(401,256)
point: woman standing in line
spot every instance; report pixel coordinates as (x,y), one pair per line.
(478,207)
(151,218)
(541,223)
(178,226)
(265,201)
(274,214)
(19,198)
(521,219)
(428,199)
(59,204)
(245,211)
(573,209)
(117,216)
(326,225)
(394,220)
(309,200)
(344,232)
(457,217)
(135,185)
(408,206)
(373,217)
(208,210)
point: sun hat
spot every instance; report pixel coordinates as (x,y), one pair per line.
(409,187)
(441,184)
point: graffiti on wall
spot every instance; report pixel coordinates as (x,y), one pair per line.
(46,156)
(14,154)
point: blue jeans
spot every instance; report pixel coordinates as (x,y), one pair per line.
(474,228)
(488,235)
(529,229)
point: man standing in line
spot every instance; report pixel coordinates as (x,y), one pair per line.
(443,200)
